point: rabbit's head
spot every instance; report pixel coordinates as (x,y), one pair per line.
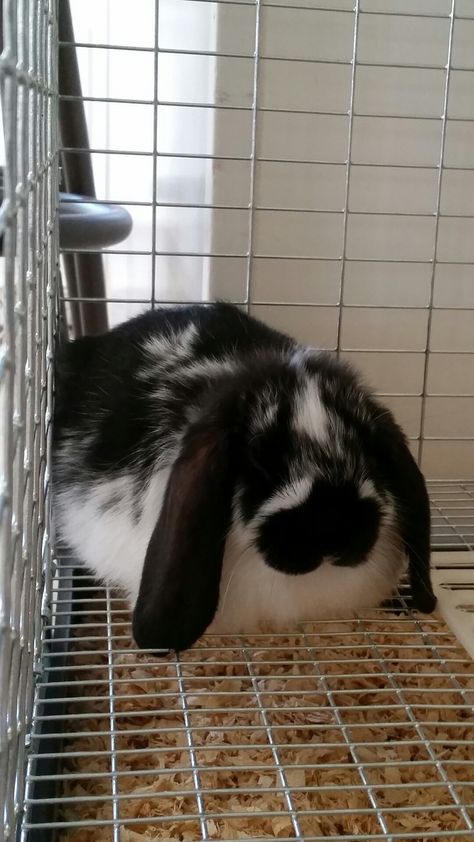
(294,456)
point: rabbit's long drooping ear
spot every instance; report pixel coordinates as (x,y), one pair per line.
(414,514)
(179,589)
(407,485)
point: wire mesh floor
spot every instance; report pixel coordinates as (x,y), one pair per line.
(360,729)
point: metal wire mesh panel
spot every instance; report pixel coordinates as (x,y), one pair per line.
(27,289)
(452,513)
(311,161)
(360,729)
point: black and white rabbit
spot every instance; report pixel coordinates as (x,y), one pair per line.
(229,479)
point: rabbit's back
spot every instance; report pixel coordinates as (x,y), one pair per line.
(123,400)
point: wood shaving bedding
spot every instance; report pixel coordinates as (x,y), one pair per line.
(370,697)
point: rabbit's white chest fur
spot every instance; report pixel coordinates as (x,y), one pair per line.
(255,597)
(100,526)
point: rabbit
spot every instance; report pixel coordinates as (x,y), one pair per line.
(230,480)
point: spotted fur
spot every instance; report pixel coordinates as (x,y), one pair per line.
(229,479)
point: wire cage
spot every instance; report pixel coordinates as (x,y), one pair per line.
(311,161)
(27,305)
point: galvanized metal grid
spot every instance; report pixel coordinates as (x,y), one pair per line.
(359,729)
(419,721)
(27,307)
(248,54)
(452,513)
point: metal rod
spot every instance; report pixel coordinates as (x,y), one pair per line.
(115,787)
(253,153)
(155,154)
(88,272)
(435,243)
